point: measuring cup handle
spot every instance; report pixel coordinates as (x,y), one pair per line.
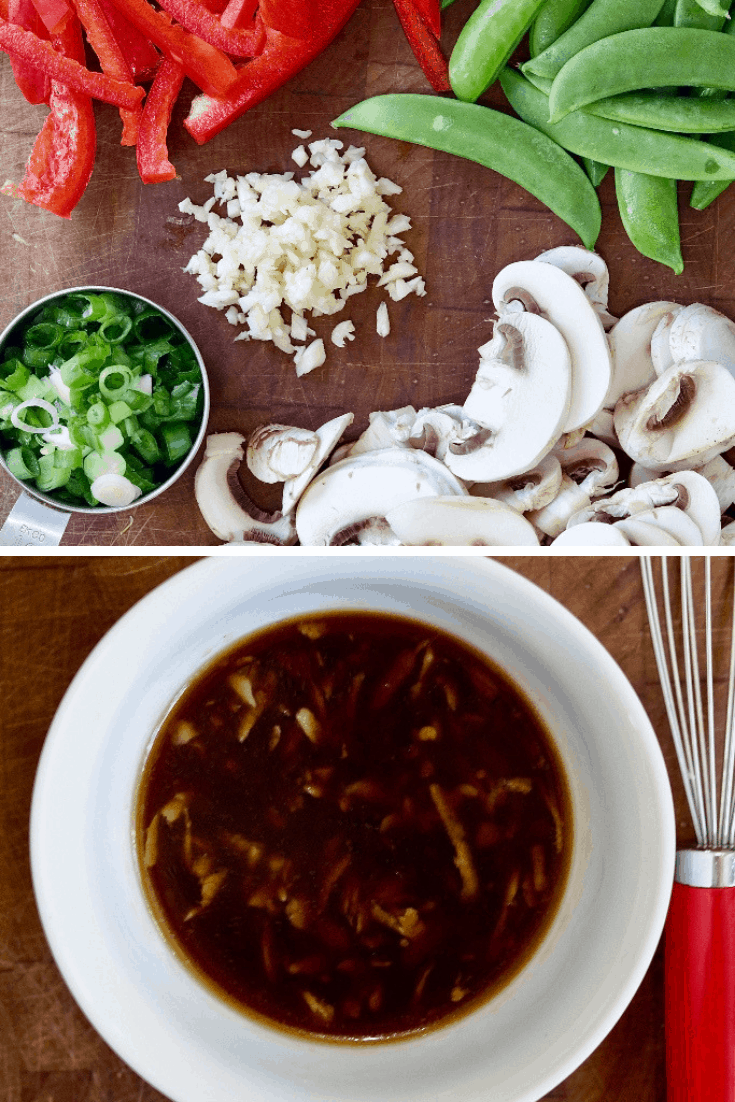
(30,523)
(700,994)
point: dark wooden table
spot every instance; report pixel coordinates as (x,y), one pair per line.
(467,223)
(54,610)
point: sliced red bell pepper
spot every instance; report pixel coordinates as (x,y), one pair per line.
(281,59)
(195,18)
(139,52)
(111,59)
(52,12)
(238,13)
(425,45)
(431,13)
(37,51)
(61,162)
(151,151)
(296,18)
(209,68)
(33,83)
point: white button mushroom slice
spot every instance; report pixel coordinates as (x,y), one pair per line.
(221,511)
(554,517)
(675,521)
(327,436)
(721,477)
(115,490)
(700,332)
(602,427)
(727,535)
(591,534)
(630,349)
(436,430)
(387,429)
(639,474)
(661,356)
(699,501)
(460,522)
(590,272)
(363,487)
(520,398)
(591,464)
(531,490)
(684,419)
(276,453)
(642,533)
(560,300)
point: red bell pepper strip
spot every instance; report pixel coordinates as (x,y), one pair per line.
(151,151)
(238,13)
(281,59)
(431,13)
(37,51)
(209,68)
(111,59)
(52,12)
(141,55)
(33,83)
(60,165)
(195,18)
(296,18)
(424,44)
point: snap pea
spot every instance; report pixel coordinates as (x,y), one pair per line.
(665,17)
(705,192)
(486,41)
(490,138)
(689,13)
(595,170)
(658,110)
(555,17)
(643,58)
(619,144)
(650,215)
(602,19)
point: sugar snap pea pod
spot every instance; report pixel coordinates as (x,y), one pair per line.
(665,17)
(689,13)
(705,192)
(486,41)
(555,17)
(650,215)
(490,138)
(643,58)
(596,171)
(617,143)
(602,19)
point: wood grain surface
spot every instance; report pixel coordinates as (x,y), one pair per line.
(467,223)
(54,610)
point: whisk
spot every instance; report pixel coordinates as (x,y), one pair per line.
(700,926)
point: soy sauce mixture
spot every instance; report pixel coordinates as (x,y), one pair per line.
(354,826)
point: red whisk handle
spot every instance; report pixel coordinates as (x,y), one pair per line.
(700,979)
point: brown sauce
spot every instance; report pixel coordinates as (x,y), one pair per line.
(354,826)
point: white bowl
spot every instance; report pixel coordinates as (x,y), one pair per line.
(192,1046)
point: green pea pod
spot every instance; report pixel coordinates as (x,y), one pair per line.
(602,19)
(644,58)
(596,171)
(616,143)
(665,17)
(490,138)
(555,17)
(705,192)
(650,215)
(486,41)
(659,110)
(689,13)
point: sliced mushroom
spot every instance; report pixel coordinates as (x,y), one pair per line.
(699,500)
(639,474)
(436,430)
(721,477)
(727,535)
(460,522)
(229,520)
(327,436)
(562,301)
(684,419)
(661,356)
(276,453)
(590,272)
(591,464)
(699,332)
(366,486)
(387,429)
(554,517)
(591,534)
(643,533)
(669,518)
(519,399)
(630,349)
(531,490)
(602,428)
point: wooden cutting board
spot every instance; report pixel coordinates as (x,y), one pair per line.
(467,223)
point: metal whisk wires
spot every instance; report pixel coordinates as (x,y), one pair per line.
(689,697)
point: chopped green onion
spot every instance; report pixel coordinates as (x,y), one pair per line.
(116,328)
(22,462)
(118,411)
(114,381)
(14,374)
(98,415)
(176,441)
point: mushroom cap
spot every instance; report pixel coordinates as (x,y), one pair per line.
(700,332)
(590,272)
(683,419)
(721,477)
(591,534)
(327,436)
(460,522)
(520,395)
(699,501)
(661,356)
(591,464)
(554,517)
(630,349)
(643,533)
(386,429)
(276,453)
(530,490)
(562,301)
(365,486)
